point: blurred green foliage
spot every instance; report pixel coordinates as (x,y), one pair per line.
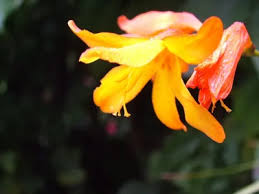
(54,140)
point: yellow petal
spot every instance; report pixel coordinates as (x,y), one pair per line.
(116,74)
(138,78)
(196,115)
(120,85)
(104,39)
(109,97)
(194,48)
(135,55)
(163,99)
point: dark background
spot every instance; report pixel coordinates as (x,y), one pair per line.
(54,140)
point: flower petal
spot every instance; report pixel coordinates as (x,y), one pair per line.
(235,40)
(120,85)
(204,93)
(205,98)
(194,48)
(196,115)
(151,22)
(215,75)
(135,55)
(163,99)
(109,97)
(104,39)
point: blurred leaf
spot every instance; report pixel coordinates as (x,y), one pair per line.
(3,87)
(31,184)
(8,162)
(6,7)
(174,154)
(254,31)
(8,185)
(135,187)
(246,101)
(229,11)
(253,27)
(71,177)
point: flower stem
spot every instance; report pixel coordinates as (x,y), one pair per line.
(250,52)
(256,52)
(230,170)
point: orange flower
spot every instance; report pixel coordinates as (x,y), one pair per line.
(214,76)
(158,47)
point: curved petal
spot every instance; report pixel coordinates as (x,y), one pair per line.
(109,97)
(163,99)
(151,22)
(194,48)
(135,55)
(196,115)
(216,73)
(104,39)
(235,40)
(120,85)
(201,81)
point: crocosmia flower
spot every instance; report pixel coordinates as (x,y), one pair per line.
(157,46)
(214,76)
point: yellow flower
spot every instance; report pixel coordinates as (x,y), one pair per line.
(158,46)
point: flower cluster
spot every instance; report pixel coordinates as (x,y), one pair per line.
(160,46)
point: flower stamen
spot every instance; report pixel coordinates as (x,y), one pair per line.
(126,113)
(214,101)
(225,106)
(117,114)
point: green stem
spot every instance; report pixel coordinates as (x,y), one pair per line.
(250,52)
(230,170)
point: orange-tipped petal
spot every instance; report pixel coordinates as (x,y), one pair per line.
(104,39)
(196,115)
(151,22)
(120,85)
(215,75)
(194,48)
(235,40)
(135,55)
(163,99)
